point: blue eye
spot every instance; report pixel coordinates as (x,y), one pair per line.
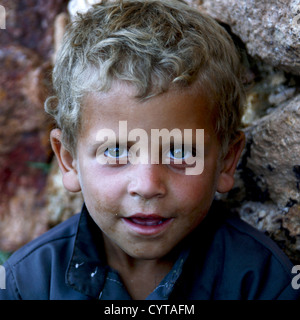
(177,153)
(116,152)
(180,153)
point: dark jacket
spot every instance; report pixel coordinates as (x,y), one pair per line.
(228,259)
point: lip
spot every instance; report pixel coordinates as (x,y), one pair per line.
(147,224)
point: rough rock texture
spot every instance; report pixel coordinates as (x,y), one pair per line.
(29,23)
(24,144)
(267,89)
(270,165)
(26,46)
(283,226)
(269,28)
(266,192)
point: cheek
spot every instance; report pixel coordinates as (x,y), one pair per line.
(104,212)
(194,198)
(100,187)
(194,189)
(107,204)
(102,198)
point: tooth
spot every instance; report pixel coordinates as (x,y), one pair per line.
(147,222)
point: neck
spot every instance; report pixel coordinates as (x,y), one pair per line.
(140,276)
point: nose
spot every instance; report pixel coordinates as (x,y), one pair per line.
(147,181)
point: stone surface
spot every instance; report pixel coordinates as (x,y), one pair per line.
(29,23)
(267,89)
(270,29)
(26,47)
(267,188)
(270,165)
(283,226)
(24,143)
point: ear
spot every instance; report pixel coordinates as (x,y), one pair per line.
(66,162)
(229,163)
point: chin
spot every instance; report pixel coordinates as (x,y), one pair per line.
(146,254)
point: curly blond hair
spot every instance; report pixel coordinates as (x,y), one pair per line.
(152,45)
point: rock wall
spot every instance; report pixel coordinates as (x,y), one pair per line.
(269,28)
(26,49)
(266,193)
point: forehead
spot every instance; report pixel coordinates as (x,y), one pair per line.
(187,108)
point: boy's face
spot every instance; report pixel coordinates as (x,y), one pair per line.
(145,210)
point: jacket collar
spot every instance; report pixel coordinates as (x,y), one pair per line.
(87,269)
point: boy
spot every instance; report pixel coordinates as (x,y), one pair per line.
(148,230)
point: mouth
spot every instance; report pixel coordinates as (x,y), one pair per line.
(147,224)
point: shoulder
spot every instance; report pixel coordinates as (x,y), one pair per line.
(38,268)
(240,235)
(61,233)
(239,239)
(241,262)
(232,260)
